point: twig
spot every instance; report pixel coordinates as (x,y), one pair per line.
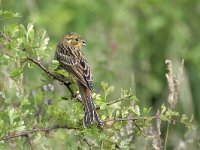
(120,119)
(126,119)
(119,100)
(25,133)
(117,146)
(166,136)
(5,37)
(67,84)
(130,119)
(29,141)
(89,146)
(137,126)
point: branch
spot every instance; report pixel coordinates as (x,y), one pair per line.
(5,37)
(29,141)
(134,121)
(87,144)
(119,100)
(58,78)
(117,146)
(27,133)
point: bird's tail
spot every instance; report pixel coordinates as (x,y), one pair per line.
(90,110)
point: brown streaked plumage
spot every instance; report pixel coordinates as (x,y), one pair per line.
(71,59)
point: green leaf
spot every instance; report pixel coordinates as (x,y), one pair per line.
(103,117)
(146,111)
(55,64)
(137,110)
(62,72)
(118,125)
(109,90)
(11,114)
(22,30)
(42,35)
(104,85)
(8,14)
(15,74)
(163,117)
(163,108)
(184,118)
(30,33)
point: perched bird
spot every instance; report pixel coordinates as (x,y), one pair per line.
(71,59)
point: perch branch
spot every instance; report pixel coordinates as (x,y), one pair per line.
(67,84)
(58,78)
(27,133)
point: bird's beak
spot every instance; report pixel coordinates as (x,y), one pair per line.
(84,43)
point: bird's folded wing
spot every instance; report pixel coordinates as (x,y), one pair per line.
(74,62)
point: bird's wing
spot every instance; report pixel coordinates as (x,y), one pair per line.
(73,61)
(83,69)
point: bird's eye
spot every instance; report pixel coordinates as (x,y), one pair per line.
(76,39)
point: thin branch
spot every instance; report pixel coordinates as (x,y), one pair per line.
(58,78)
(126,119)
(119,100)
(137,126)
(130,119)
(89,146)
(166,136)
(25,133)
(120,119)
(5,37)
(117,146)
(29,141)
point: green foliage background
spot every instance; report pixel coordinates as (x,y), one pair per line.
(128,43)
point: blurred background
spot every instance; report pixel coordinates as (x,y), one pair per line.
(128,43)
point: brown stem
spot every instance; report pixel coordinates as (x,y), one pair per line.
(89,146)
(58,78)
(119,100)
(29,141)
(25,133)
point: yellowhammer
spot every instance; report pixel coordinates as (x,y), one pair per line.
(71,58)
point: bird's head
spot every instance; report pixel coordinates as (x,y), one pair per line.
(74,39)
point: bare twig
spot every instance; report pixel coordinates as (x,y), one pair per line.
(119,100)
(120,119)
(117,146)
(130,118)
(127,119)
(29,141)
(25,133)
(5,37)
(89,146)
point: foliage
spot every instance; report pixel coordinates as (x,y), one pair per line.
(127,45)
(31,109)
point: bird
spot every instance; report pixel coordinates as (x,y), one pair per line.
(70,58)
